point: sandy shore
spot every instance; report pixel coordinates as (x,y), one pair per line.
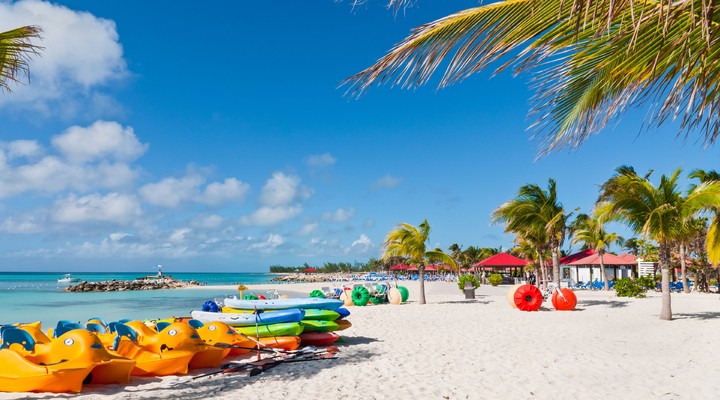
(451,348)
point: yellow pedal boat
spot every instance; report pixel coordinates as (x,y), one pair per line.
(31,361)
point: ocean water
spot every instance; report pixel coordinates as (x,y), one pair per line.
(28,297)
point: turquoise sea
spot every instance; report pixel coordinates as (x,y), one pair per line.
(28,297)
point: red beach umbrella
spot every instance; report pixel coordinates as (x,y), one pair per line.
(399,267)
(309,269)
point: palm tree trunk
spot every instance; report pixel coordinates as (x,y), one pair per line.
(602,271)
(543,271)
(556,265)
(683,270)
(664,258)
(421,271)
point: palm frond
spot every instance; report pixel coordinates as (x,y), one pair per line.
(16,50)
(592,59)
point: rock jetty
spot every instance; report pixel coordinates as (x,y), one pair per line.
(114,285)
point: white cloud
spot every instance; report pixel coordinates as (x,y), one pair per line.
(171,192)
(281,190)
(101,140)
(23,148)
(271,242)
(386,182)
(80,52)
(308,229)
(232,190)
(271,215)
(362,245)
(113,207)
(179,236)
(207,221)
(321,160)
(97,160)
(340,215)
(28,223)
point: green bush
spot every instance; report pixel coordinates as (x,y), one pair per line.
(648,282)
(468,278)
(626,287)
(495,279)
(713,282)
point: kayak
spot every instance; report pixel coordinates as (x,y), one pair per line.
(284,329)
(344,312)
(250,319)
(283,304)
(318,338)
(311,325)
(343,324)
(321,315)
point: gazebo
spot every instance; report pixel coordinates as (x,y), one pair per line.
(502,261)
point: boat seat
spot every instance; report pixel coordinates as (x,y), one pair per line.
(102,321)
(64,326)
(159,326)
(96,327)
(122,330)
(18,336)
(195,323)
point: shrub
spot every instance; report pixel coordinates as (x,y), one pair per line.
(713,282)
(495,279)
(648,282)
(468,278)
(626,287)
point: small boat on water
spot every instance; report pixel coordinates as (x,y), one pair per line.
(68,279)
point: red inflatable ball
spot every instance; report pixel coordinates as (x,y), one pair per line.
(564,300)
(528,298)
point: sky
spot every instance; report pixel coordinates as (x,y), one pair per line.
(216,136)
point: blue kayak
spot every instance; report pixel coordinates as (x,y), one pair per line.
(250,319)
(283,304)
(344,312)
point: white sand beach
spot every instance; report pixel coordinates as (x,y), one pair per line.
(451,348)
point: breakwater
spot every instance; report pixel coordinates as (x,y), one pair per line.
(115,285)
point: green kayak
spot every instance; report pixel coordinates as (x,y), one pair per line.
(283,329)
(313,325)
(321,315)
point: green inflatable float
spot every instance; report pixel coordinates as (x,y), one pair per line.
(317,293)
(360,296)
(404,292)
(250,297)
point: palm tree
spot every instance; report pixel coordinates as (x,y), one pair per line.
(656,212)
(592,233)
(633,245)
(16,49)
(579,53)
(410,242)
(536,212)
(713,234)
(457,254)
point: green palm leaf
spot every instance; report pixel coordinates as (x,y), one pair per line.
(16,49)
(591,60)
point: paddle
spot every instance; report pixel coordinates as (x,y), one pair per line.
(256,367)
(307,349)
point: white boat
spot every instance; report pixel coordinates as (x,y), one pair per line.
(68,279)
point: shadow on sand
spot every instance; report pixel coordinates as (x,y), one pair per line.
(606,303)
(703,315)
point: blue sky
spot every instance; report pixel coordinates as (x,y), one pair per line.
(214,136)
